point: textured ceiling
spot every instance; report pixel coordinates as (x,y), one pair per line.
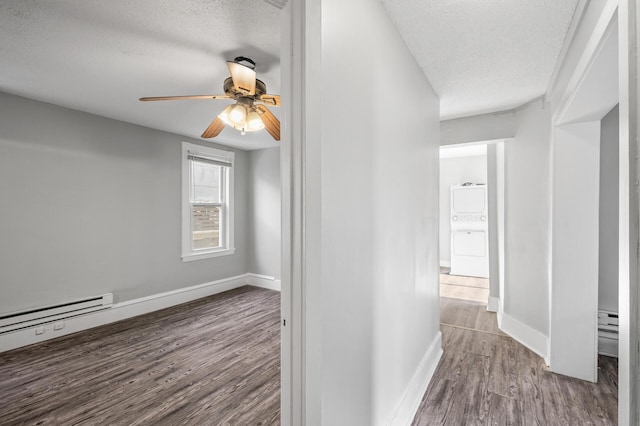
(484,55)
(101,56)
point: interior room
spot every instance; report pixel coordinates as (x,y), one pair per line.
(319,212)
(118,218)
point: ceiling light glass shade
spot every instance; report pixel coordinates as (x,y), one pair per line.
(238,115)
(254,122)
(224,115)
(241,117)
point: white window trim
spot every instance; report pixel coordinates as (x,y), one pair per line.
(215,154)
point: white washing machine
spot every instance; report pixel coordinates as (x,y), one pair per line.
(469,231)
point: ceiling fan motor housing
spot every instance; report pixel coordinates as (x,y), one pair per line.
(231,90)
(248,62)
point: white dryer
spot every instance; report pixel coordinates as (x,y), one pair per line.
(469,231)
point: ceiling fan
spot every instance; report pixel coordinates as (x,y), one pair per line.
(250,112)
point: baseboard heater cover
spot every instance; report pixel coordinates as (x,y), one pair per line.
(608,333)
(14,321)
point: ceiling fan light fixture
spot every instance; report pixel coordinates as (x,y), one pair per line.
(242,117)
(224,115)
(254,122)
(250,112)
(238,115)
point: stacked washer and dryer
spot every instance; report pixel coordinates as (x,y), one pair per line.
(469,230)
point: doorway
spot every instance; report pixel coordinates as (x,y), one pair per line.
(464,231)
(576,144)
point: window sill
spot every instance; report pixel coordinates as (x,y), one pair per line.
(206,255)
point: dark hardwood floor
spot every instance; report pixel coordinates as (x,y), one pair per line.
(214,361)
(487,378)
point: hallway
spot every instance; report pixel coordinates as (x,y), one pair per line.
(487,378)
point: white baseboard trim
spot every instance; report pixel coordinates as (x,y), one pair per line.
(528,336)
(263,281)
(410,402)
(120,311)
(493,304)
(445,264)
(607,346)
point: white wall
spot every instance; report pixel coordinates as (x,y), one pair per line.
(629,296)
(633,300)
(609,209)
(574,277)
(484,127)
(91,205)
(495,200)
(527,218)
(500,231)
(584,31)
(263,248)
(456,170)
(378,257)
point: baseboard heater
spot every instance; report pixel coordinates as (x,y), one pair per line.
(42,315)
(608,333)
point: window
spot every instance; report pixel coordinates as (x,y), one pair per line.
(207,202)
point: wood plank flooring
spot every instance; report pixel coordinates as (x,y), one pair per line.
(487,378)
(214,361)
(468,314)
(465,288)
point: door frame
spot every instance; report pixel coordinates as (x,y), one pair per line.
(301,298)
(573,330)
(496,192)
(625,15)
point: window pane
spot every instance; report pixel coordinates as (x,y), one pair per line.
(206,226)
(205,183)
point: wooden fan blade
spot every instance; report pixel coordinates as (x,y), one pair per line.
(271,123)
(181,98)
(214,128)
(271,100)
(244,78)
